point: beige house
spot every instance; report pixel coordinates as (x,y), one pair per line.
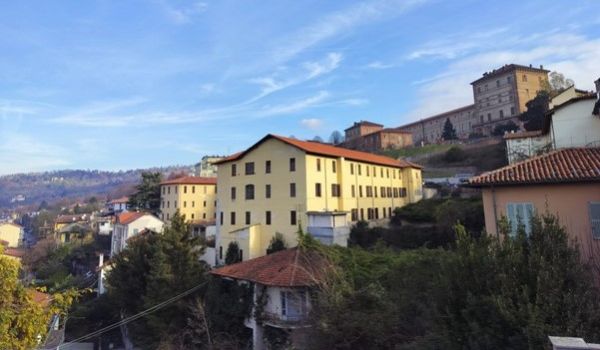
(566,182)
(195,197)
(280,183)
(11,233)
(371,137)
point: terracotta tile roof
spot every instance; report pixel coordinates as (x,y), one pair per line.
(14,252)
(128,217)
(508,68)
(363,122)
(567,165)
(191,180)
(328,150)
(293,267)
(39,297)
(522,135)
(119,200)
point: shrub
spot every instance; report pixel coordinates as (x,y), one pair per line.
(455,154)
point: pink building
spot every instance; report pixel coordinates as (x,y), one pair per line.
(566,182)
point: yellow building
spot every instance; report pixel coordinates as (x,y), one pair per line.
(195,197)
(11,233)
(277,183)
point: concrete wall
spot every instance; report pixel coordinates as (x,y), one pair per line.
(574,125)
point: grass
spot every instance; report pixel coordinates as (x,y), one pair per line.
(416,150)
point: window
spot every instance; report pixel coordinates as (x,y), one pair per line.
(519,214)
(524,77)
(174,204)
(192,216)
(318,189)
(501,114)
(360,193)
(489,117)
(293,305)
(595,219)
(292,190)
(267,191)
(508,79)
(184,189)
(362,213)
(193,189)
(374,172)
(233,169)
(268,167)
(248,218)
(368,170)
(369,191)
(359,170)
(164,189)
(395,192)
(375,191)
(233,193)
(512,110)
(292,164)
(382,192)
(389,192)
(351,169)
(250,168)
(354,214)
(479,89)
(249,192)
(221,218)
(167,216)
(333,166)
(268,217)
(204,204)
(402,192)
(221,252)
(318,164)
(335,190)
(293,217)
(169,190)
(232,218)
(353,190)
(381,171)
(497,83)
(185,204)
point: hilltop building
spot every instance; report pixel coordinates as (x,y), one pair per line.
(280,183)
(206,167)
(370,137)
(499,97)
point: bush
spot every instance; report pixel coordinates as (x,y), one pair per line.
(454,155)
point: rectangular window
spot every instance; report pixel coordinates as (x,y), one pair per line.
(220,252)
(359,170)
(185,204)
(318,189)
(267,191)
(595,219)
(184,189)
(362,213)
(335,190)
(233,169)
(369,191)
(292,164)
(221,217)
(382,191)
(164,189)
(318,164)
(512,110)
(374,172)
(333,166)
(249,192)
(360,192)
(501,114)
(351,169)
(292,190)
(174,204)
(395,192)
(389,192)
(293,218)
(193,189)
(381,171)
(368,167)
(169,189)
(524,77)
(353,190)
(250,168)
(375,191)
(204,204)
(247,218)
(268,167)
(519,214)
(268,217)
(233,194)
(354,214)
(232,218)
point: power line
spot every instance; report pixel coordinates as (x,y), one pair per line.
(136,316)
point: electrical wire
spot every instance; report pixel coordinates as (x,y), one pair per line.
(136,316)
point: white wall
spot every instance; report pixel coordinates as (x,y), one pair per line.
(575,125)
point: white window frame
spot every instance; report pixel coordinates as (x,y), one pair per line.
(512,208)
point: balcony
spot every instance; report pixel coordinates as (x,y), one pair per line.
(286,321)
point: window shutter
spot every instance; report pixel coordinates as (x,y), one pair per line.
(595,219)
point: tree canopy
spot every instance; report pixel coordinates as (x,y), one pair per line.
(449,133)
(533,117)
(147,195)
(336,137)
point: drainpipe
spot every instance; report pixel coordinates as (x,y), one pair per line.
(495,211)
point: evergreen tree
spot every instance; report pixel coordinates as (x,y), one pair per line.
(533,117)
(449,132)
(233,254)
(147,195)
(277,243)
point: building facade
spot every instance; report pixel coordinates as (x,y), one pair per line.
(361,128)
(499,97)
(274,185)
(130,224)
(206,166)
(194,197)
(12,234)
(371,137)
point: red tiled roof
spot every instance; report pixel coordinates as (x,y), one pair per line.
(328,150)
(119,200)
(567,165)
(293,267)
(129,217)
(191,180)
(14,252)
(522,135)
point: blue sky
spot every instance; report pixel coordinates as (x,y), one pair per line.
(128,84)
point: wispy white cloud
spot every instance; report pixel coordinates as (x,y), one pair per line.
(379,65)
(575,56)
(312,123)
(294,107)
(182,15)
(310,70)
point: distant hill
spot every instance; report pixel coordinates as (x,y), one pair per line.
(21,190)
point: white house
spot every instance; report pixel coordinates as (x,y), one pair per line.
(129,224)
(281,282)
(118,205)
